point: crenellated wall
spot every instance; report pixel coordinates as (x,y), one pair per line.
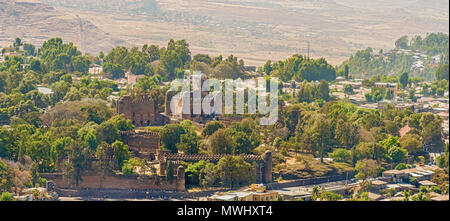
(120,181)
(264,170)
(144,143)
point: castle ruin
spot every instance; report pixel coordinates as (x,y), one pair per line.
(141,110)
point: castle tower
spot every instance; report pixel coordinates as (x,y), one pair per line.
(162,166)
(140,110)
(169,96)
(267,167)
(181,179)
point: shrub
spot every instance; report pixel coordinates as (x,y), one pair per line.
(127,169)
(128,166)
(436,189)
(413,181)
(341,155)
(5,196)
(330,196)
(401,166)
(382,169)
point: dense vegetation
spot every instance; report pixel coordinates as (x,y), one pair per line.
(300,68)
(367,63)
(61,131)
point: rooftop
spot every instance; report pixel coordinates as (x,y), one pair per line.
(44,90)
(426,183)
(374,196)
(378,182)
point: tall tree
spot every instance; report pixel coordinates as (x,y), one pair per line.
(170,136)
(404,79)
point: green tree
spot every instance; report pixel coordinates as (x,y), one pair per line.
(115,62)
(345,133)
(315,193)
(396,154)
(90,140)
(317,135)
(5,196)
(175,56)
(17,43)
(211,127)
(401,166)
(81,64)
(268,67)
(402,43)
(220,142)
(234,171)
(146,84)
(390,142)
(203,58)
(366,168)
(170,172)
(121,153)
(170,135)
(108,132)
(346,71)
(195,173)
(60,148)
(6,177)
(442,72)
(188,143)
(330,196)
(104,154)
(30,50)
(341,155)
(324,90)
(411,142)
(35,65)
(404,79)
(431,130)
(348,89)
(77,164)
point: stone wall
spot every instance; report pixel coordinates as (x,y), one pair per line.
(119,182)
(133,193)
(141,110)
(263,170)
(312,181)
(145,144)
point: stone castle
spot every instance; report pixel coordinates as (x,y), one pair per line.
(141,111)
(263,170)
(142,144)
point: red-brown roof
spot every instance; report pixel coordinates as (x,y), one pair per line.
(404,130)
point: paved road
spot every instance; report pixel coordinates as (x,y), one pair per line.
(328,186)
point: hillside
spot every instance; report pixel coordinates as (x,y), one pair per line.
(36,22)
(254,30)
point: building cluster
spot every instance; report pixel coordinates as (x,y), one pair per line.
(256,192)
(391,186)
(436,105)
(400,180)
(36,194)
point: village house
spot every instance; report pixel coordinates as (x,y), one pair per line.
(95,70)
(132,79)
(256,192)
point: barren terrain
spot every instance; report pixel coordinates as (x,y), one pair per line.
(255,30)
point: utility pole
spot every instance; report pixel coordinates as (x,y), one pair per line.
(308,46)
(308,49)
(346,179)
